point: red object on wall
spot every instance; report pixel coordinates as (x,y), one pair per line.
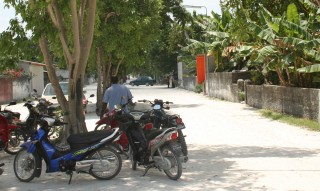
(201,68)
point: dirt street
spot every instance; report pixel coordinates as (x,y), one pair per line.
(231,147)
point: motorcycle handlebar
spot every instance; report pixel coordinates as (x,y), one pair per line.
(156,100)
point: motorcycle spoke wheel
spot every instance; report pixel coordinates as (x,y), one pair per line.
(25,165)
(183,143)
(55,133)
(132,160)
(13,145)
(107,165)
(102,127)
(175,165)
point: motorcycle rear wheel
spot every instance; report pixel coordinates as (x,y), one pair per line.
(108,163)
(25,165)
(183,143)
(175,171)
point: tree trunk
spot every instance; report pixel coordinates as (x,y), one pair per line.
(100,83)
(118,66)
(76,57)
(280,75)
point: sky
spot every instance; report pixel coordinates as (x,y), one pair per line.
(203,6)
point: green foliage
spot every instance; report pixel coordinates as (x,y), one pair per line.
(15,45)
(270,37)
(198,88)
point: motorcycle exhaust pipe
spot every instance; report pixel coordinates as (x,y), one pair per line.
(184,159)
(84,166)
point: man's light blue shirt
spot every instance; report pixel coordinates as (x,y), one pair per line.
(116,94)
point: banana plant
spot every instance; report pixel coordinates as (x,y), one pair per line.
(288,45)
(218,41)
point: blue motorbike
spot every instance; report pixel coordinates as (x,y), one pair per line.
(88,153)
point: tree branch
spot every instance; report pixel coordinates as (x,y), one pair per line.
(75,31)
(81,16)
(56,18)
(51,71)
(85,48)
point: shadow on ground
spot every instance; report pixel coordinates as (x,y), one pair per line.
(208,168)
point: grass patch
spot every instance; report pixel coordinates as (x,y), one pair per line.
(306,123)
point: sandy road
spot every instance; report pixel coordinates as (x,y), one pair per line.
(231,147)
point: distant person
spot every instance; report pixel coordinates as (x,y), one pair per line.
(170,81)
(115,94)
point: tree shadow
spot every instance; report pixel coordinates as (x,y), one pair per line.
(209,168)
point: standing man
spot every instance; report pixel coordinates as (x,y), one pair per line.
(115,94)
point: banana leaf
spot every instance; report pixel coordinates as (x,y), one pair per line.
(267,51)
(310,69)
(292,14)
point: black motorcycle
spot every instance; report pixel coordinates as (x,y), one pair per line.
(163,120)
(150,147)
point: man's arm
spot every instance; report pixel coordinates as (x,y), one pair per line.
(103,109)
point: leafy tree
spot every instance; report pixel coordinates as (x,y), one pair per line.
(15,46)
(162,58)
(68,25)
(122,38)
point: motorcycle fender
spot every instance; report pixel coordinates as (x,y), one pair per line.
(30,146)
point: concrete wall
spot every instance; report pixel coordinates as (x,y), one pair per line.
(223,85)
(299,102)
(21,89)
(189,83)
(5,90)
(37,81)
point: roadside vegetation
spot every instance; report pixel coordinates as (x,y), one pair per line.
(277,41)
(300,122)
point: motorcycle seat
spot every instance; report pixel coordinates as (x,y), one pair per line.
(88,137)
(151,134)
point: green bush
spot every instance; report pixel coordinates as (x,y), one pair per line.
(198,88)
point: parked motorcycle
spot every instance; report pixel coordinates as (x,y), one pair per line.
(149,147)
(108,122)
(162,120)
(3,136)
(89,153)
(20,131)
(11,133)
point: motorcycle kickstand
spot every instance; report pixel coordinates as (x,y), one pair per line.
(146,170)
(70,173)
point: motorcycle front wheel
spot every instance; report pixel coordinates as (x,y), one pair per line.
(25,165)
(107,163)
(132,160)
(15,139)
(175,170)
(102,127)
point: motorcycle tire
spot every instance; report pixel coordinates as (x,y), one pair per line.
(175,171)
(183,143)
(102,127)
(15,139)
(108,163)
(26,165)
(132,160)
